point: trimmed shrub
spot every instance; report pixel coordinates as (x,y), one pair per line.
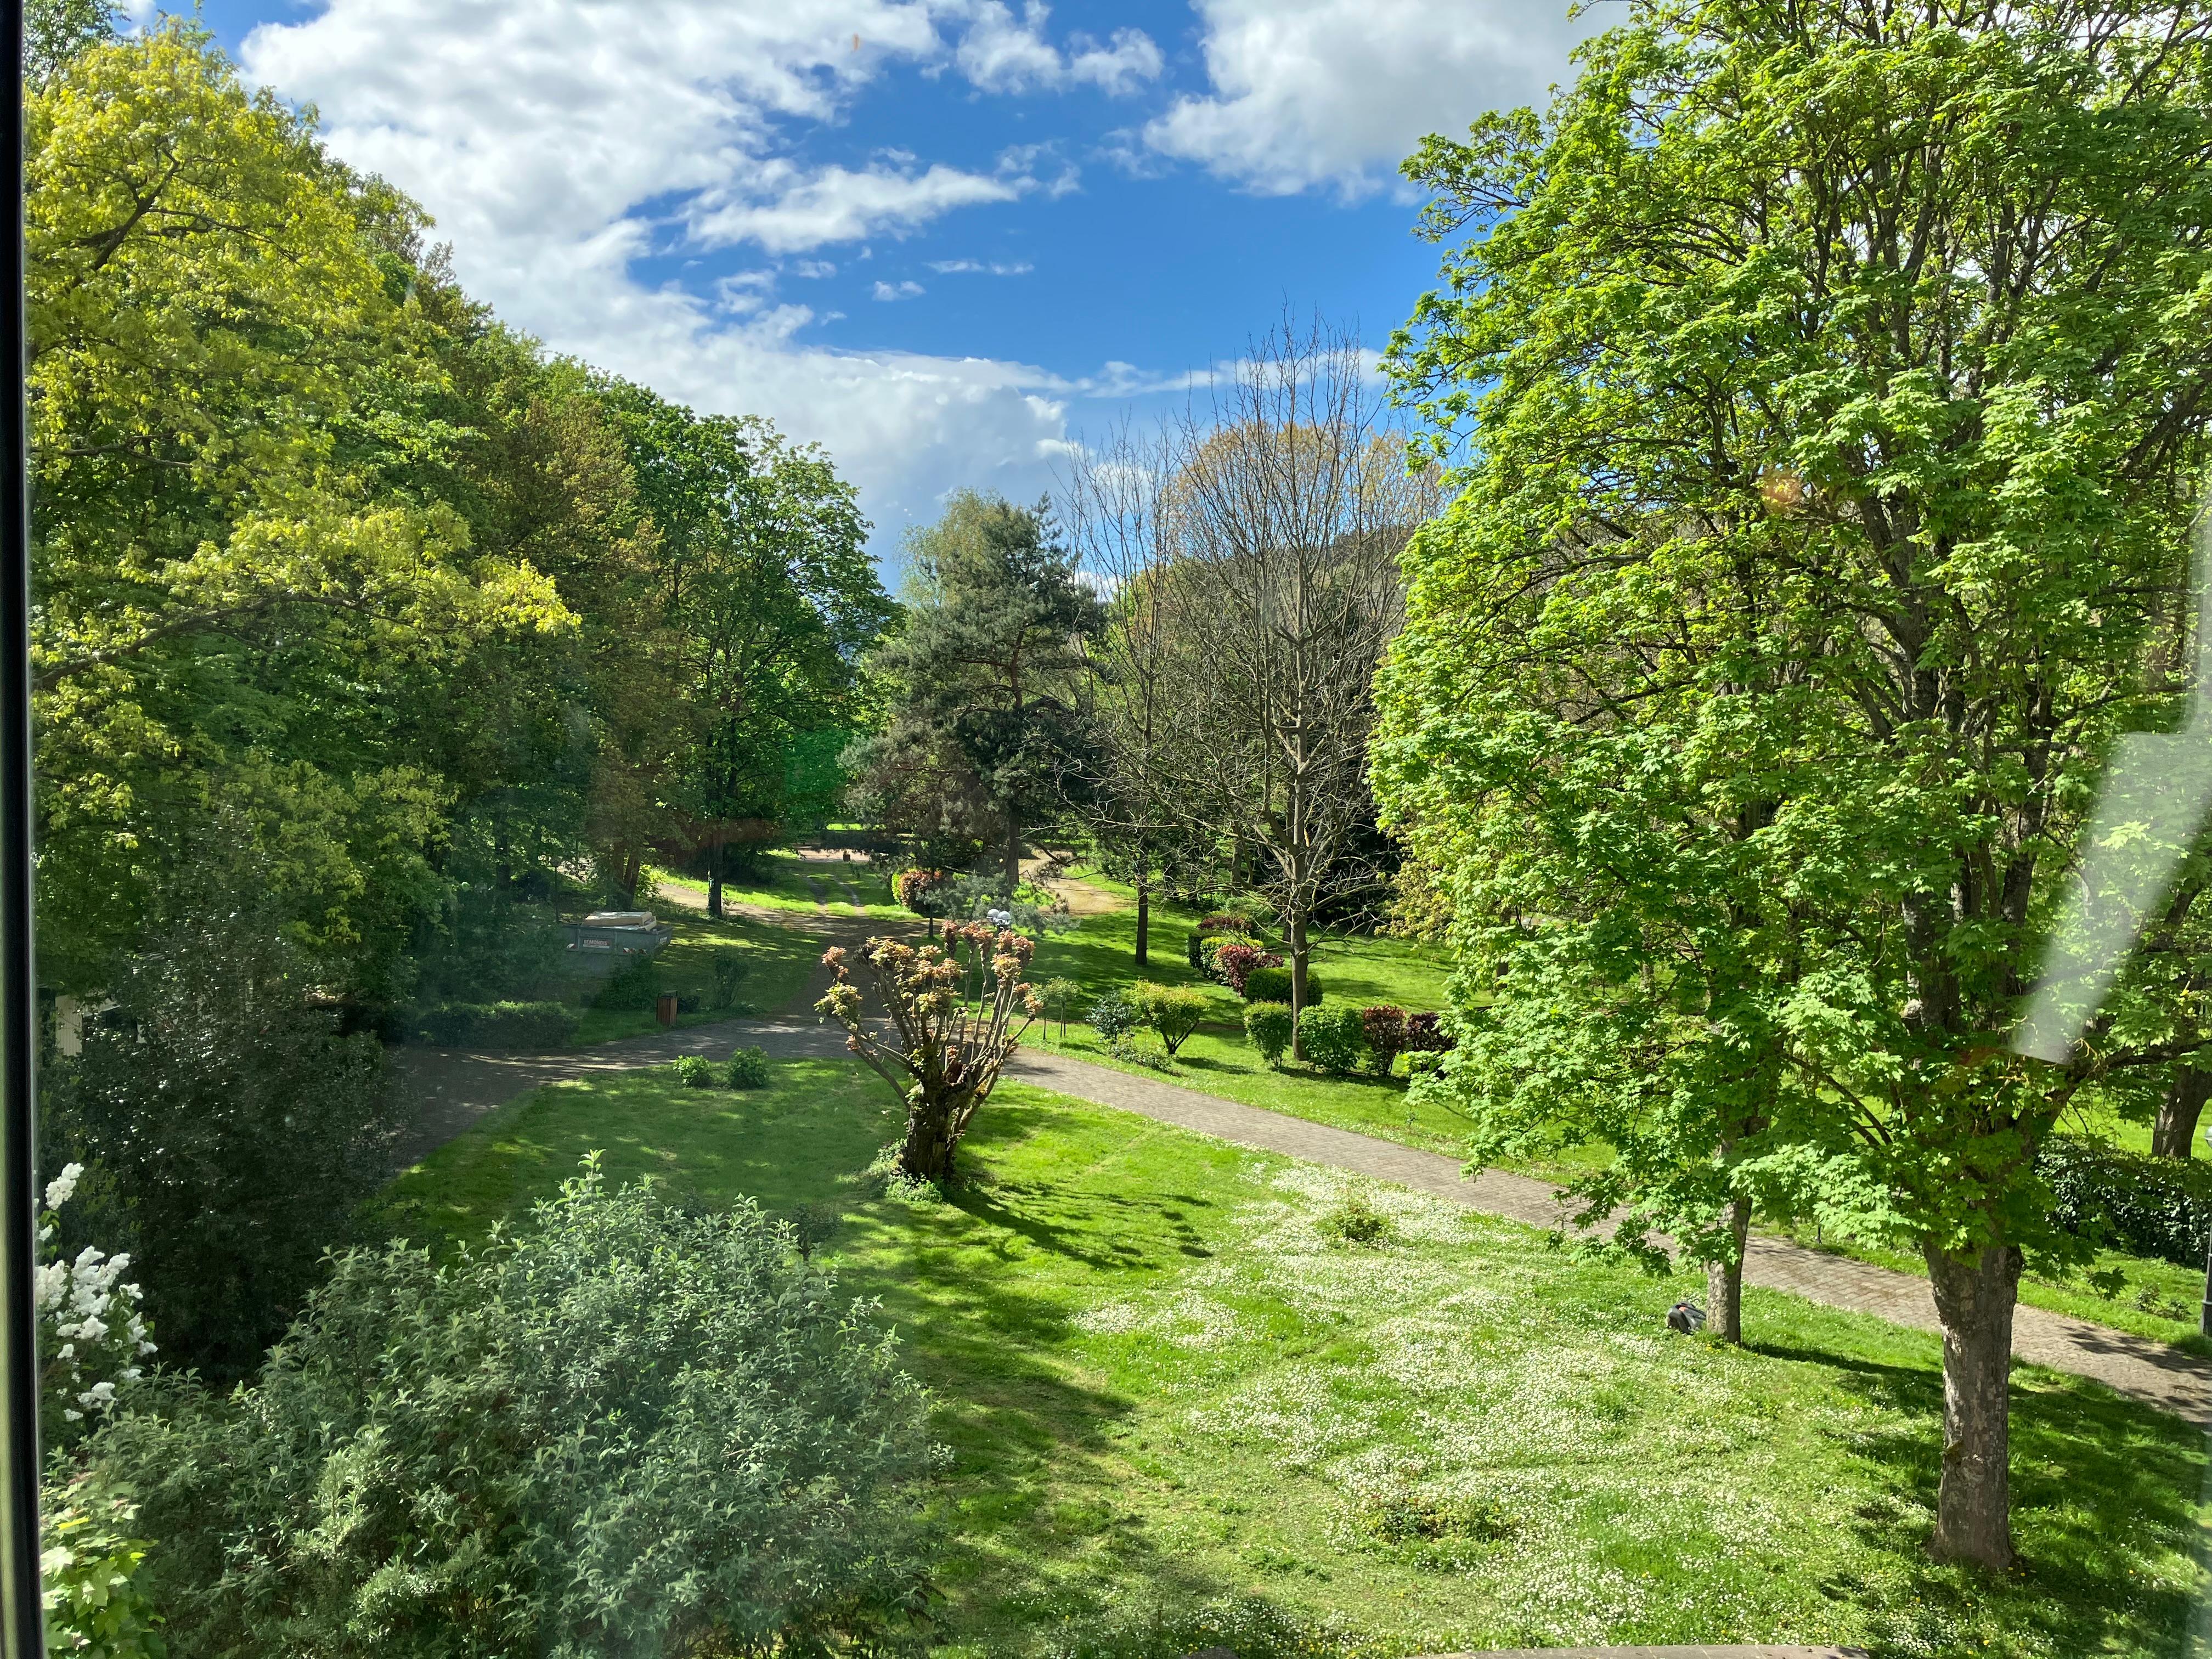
(519,1025)
(1426,1034)
(1173,1010)
(1265,984)
(1268,1025)
(1334,1039)
(729,973)
(694,1072)
(1233,965)
(746,1069)
(2154,1206)
(1211,947)
(1114,1016)
(632,1428)
(1383,1025)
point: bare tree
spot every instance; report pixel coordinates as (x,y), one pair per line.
(1285,516)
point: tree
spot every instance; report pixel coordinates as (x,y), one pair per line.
(991,659)
(1900,318)
(952,1013)
(1288,516)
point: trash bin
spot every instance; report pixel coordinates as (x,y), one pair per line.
(665,1009)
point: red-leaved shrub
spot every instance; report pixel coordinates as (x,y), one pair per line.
(1384,1027)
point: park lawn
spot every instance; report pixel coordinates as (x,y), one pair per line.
(781,885)
(1162,1383)
(777,963)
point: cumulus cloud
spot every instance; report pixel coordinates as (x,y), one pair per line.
(558,141)
(1001,53)
(1338,92)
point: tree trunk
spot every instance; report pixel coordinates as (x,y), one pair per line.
(714,872)
(926,1154)
(1974,1298)
(1144,912)
(1724,1280)
(1013,853)
(2175,1131)
(1301,954)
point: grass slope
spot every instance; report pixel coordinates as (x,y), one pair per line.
(1163,1382)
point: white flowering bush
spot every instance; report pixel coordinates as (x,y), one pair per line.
(89,1329)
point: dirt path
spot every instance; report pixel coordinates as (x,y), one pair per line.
(450,1091)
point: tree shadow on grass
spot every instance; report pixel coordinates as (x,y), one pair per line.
(2104,1509)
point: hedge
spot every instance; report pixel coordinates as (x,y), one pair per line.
(2129,1201)
(499,1024)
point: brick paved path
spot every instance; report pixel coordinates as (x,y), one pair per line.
(451,1091)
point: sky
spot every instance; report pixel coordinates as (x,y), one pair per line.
(944,239)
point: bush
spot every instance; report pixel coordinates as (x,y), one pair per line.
(509,1025)
(1383,1026)
(1114,1016)
(1173,1010)
(746,1069)
(631,1430)
(1268,1025)
(1273,985)
(634,989)
(2153,1206)
(1356,1221)
(1233,965)
(93,1590)
(228,1130)
(1426,1034)
(925,892)
(1211,947)
(1334,1039)
(729,971)
(694,1072)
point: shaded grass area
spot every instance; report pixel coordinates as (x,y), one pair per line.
(782,885)
(777,963)
(1163,1380)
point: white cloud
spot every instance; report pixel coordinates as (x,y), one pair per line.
(789,211)
(999,53)
(813,269)
(897,290)
(960,267)
(558,141)
(1310,92)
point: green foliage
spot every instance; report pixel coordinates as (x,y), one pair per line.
(729,971)
(515,1025)
(1059,997)
(927,893)
(1173,1011)
(1268,1025)
(1250,1626)
(1333,1039)
(2154,1206)
(89,1566)
(695,1072)
(1356,1221)
(1210,947)
(628,1429)
(746,1068)
(1115,1015)
(228,1131)
(633,989)
(1273,985)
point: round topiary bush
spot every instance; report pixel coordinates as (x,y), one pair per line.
(1268,1025)
(746,1069)
(1334,1039)
(1273,985)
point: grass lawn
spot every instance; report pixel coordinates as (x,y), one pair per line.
(1162,1383)
(777,961)
(782,885)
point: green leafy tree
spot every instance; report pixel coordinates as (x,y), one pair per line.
(990,664)
(1898,319)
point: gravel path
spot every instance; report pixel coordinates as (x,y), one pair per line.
(450,1091)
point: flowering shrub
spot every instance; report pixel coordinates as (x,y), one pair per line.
(1384,1027)
(1333,1039)
(89,1325)
(1268,1025)
(1234,962)
(952,1013)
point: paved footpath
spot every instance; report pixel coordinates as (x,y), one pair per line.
(450,1091)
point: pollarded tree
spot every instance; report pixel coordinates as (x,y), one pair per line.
(1901,313)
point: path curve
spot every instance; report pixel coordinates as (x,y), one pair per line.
(448,1091)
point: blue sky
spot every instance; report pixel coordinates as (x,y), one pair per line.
(945,252)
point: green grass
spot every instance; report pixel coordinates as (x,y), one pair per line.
(1161,1382)
(781,885)
(777,963)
